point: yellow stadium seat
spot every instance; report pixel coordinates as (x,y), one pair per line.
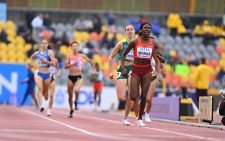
(63,50)
(76,34)
(3,55)
(110,36)
(10,25)
(19,40)
(19,48)
(97,59)
(4,60)
(11,38)
(21,60)
(27,47)
(104,28)
(12,59)
(20,55)
(168,68)
(120,37)
(3,47)
(12,53)
(11,32)
(2,24)
(11,47)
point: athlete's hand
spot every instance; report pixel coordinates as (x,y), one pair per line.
(58,74)
(160,77)
(111,75)
(124,71)
(42,59)
(94,72)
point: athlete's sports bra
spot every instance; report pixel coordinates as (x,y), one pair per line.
(45,56)
(143,51)
(77,60)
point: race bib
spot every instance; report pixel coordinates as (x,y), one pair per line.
(130,55)
(144,52)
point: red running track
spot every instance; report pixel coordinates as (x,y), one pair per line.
(26,124)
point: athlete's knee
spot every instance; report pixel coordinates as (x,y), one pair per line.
(40,89)
(77,90)
(133,97)
(46,96)
(143,97)
(121,99)
(149,100)
(51,97)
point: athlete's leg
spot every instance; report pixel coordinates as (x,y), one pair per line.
(145,83)
(134,87)
(25,97)
(70,86)
(46,85)
(99,97)
(121,85)
(129,103)
(51,91)
(34,97)
(51,96)
(39,83)
(150,94)
(78,85)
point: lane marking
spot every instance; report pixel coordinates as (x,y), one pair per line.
(160,130)
(31,131)
(75,128)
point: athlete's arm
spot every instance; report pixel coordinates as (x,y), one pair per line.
(112,55)
(52,58)
(161,58)
(91,63)
(131,45)
(57,67)
(32,57)
(67,64)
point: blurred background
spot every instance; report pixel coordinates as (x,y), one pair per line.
(186,31)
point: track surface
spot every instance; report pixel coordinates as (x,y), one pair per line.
(27,123)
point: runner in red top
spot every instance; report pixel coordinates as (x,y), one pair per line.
(141,71)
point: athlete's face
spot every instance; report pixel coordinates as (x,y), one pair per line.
(146,30)
(130,31)
(75,47)
(44,44)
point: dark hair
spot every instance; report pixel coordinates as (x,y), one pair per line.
(74,42)
(141,27)
(203,60)
(49,46)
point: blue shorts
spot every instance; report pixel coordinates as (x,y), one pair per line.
(44,76)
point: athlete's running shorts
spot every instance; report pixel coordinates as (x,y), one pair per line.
(97,86)
(119,72)
(139,71)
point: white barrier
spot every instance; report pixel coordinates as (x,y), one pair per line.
(108,98)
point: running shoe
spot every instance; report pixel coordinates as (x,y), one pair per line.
(147,118)
(126,122)
(71,114)
(141,123)
(222,92)
(136,121)
(76,106)
(49,112)
(42,109)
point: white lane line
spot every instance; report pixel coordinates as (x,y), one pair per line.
(160,130)
(183,134)
(31,131)
(75,128)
